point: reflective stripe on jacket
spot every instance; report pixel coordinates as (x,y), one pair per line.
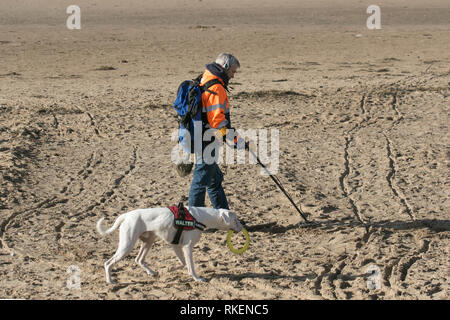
(215,105)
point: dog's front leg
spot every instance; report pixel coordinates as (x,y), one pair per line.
(187,250)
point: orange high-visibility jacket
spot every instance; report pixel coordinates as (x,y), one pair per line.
(216,106)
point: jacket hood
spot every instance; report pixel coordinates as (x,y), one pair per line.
(217,70)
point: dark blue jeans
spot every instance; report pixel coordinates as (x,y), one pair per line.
(207,177)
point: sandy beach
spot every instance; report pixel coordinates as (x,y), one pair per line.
(85,132)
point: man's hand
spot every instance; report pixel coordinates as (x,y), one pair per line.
(220,134)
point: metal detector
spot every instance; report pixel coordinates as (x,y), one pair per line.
(278,183)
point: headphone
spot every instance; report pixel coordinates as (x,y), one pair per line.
(227,63)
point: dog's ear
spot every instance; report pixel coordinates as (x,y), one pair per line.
(232,215)
(225,216)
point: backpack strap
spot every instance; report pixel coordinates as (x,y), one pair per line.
(205,87)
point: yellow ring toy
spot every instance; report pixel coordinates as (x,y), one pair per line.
(247,242)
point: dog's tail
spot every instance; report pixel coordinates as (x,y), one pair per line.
(102,231)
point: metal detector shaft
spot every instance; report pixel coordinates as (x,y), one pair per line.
(279,186)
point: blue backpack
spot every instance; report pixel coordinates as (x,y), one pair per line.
(191,119)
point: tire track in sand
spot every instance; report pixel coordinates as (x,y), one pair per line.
(394,105)
(392,160)
(390,179)
(336,291)
(343,181)
(344,176)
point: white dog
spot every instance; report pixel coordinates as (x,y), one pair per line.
(146,224)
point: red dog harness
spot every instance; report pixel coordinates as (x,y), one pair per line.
(183,221)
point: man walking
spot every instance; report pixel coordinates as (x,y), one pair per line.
(216,113)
